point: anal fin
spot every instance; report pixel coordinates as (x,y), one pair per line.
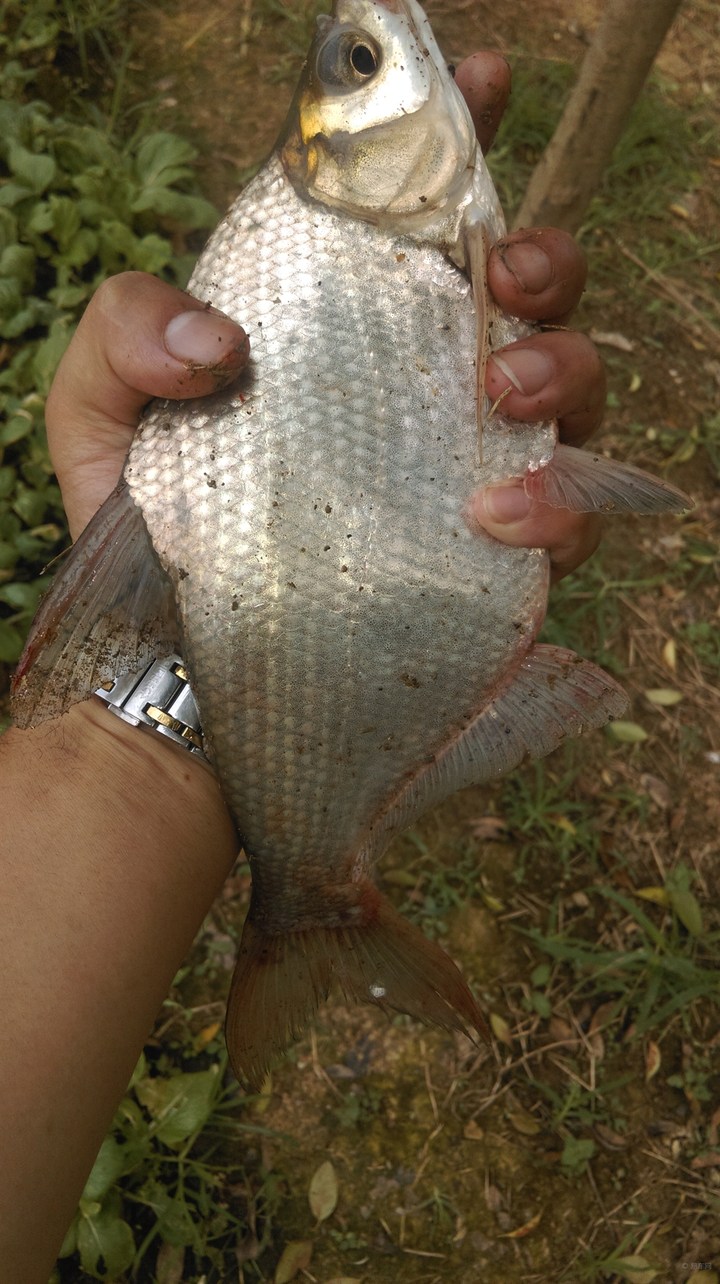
(587,483)
(110,610)
(553,695)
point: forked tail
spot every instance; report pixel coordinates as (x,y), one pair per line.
(280,980)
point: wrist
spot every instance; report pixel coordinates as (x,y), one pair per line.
(131,787)
(138,757)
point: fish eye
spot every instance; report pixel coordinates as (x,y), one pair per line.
(347,60)
(364,60)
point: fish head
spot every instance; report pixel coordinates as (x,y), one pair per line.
(378,127)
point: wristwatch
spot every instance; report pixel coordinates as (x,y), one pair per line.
(159,697)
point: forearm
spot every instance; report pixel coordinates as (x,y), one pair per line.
(112,847)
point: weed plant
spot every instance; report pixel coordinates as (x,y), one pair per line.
(77,203)
(654,161)
(176,1182)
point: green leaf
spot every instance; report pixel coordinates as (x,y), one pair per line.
(665,697)
(180,1105)
(29,505)
(634,1268)
(49,352)
(108,1237)
(36,171)
(627,733)
(687,909)
(139,1072)
(35,312)
(110,1164)
(11,643)
(66,220)
(188,211)
(68,297)
(577,1152)
(8,555)
(541,1004)
(82,248)
(12,194)
(177,1225)
(21,597)
(69,1244)
(297,1256)
(323,1192)
(40,219)
(8,229)
(18,261)
(151,254)
(163,158)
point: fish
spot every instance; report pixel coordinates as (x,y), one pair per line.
(358,648)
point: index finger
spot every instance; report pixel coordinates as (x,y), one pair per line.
(538,274)
(484,82)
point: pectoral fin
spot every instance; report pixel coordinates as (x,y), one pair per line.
(110,610)
(477,248)
(589,483)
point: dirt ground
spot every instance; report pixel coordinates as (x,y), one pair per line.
(575,1146)
(462,1164)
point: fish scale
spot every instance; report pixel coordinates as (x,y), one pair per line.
(358,647)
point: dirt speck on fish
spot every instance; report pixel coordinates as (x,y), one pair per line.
(356,650)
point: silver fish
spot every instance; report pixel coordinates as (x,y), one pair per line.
(358,649)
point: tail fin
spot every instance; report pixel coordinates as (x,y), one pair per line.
(280,981)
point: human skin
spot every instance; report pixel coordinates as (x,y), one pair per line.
(114,842)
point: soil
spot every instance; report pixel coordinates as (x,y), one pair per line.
(453,1162)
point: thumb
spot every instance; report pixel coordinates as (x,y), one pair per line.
(139,338)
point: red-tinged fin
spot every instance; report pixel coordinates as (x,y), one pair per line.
(109,610)
(552,696)
(586,483)
(280,980)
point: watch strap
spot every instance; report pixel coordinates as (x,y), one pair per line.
(159,697)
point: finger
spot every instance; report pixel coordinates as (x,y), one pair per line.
(538,274)
(139,338)
(506,512)
(484,81)
(551,376)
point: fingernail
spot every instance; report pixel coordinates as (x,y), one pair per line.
(528,369)
(506,503)
(531,266)
(207,339)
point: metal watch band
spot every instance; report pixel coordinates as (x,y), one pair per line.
(159,697)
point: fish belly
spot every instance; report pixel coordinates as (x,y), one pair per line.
(340,620)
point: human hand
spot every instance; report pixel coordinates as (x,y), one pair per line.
(538,275)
